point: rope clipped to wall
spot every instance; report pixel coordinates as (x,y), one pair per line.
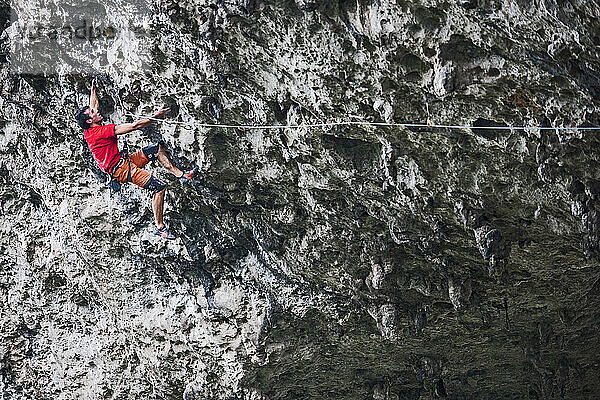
(190,124)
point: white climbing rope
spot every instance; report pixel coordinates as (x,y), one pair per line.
(188,125)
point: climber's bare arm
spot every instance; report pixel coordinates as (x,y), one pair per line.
(122,129)
(94,104)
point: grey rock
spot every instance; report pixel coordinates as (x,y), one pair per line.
(346,262)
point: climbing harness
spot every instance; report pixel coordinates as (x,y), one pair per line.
(188,125)
(113,184)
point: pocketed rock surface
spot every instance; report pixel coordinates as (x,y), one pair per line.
(347,262)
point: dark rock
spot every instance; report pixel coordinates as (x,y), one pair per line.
(306,5)
(481,127)
(576,188)
(493,247)
(593,187)
(469,4)
(591,230)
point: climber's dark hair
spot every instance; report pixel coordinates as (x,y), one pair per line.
(81,117)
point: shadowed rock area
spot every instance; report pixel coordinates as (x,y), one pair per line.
(349,262)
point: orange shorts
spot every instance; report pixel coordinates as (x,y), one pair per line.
(138,175)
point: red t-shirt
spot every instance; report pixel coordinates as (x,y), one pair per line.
(102,142)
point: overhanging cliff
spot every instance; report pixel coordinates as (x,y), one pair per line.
(350,262)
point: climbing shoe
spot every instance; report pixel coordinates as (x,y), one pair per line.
(164,232)
(187,176)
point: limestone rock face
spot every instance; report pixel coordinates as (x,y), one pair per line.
(348,262)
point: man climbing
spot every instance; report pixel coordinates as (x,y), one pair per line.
(102,142)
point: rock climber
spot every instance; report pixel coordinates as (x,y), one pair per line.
(102,142)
